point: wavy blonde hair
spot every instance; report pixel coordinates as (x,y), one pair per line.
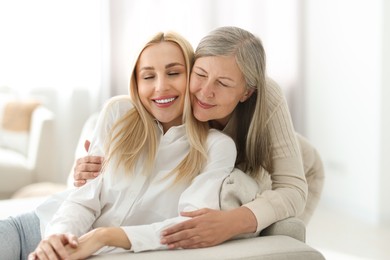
(135,133)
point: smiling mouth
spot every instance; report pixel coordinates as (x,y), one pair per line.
(164,101)
(204,105)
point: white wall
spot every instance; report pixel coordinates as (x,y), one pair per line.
(384,204)
(345,94)
(276,22)
(58,51)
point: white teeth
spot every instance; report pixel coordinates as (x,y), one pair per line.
(164,101)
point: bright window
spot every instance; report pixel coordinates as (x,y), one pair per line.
(50,43)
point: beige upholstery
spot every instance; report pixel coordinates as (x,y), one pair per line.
(262,248)
(18,169)
(315,177)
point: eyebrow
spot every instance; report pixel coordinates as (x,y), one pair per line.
(227,78)
(170,65)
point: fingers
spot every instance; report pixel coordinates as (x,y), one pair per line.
(189,245)
(79,183)
(32,256)
(90,160)
(188,224)
(46,251)
(86,145)
(86,168)
(70,239)
(179,235)
(180,227)
(54,247)
(189,242)
(195,213)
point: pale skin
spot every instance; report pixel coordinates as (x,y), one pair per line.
(217,86)
(161,80)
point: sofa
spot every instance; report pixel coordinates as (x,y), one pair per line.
(26,136)
(282,240)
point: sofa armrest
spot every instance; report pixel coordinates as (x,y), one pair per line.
(40,154)
(292,227)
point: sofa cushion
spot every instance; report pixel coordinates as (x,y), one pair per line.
(264,248)
(15,124)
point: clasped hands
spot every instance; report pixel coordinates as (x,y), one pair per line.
(67,246)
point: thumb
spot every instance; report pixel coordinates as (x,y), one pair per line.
(32,256)
(72,240)
(195,213)
(86,145)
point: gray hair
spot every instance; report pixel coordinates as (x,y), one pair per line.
(243,45)
(252,137)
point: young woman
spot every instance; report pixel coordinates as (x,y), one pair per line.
(231,91)
(155,167)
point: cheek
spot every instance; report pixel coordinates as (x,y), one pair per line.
(182,85)
(143,94)
(228,101)
(194,85)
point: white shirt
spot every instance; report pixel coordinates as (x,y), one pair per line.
(142,205)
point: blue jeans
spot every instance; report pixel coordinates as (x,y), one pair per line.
(19,236)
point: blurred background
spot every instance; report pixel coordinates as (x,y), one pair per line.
(331,57)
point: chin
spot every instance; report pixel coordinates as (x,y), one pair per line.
(201,117)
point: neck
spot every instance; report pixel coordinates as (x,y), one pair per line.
(219,123)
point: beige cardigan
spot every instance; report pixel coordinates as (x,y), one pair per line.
(283,193)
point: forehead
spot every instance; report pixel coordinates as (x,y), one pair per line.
(161,53)
(219,65)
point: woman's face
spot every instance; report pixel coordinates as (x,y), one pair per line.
(217,85)
(161,79)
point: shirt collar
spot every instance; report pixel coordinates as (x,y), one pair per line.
(172,133)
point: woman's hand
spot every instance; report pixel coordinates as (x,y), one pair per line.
(87,167)
(88,244)
(98,238)
(208,228)
(53,247)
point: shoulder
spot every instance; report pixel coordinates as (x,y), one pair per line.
(273,90)
(216,137)
(114,108)
(215,134)
(120,102)
(117,106)
(220,147)
(276,99)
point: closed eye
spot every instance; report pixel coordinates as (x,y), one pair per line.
(200,75)
(223,84)
(173,73)
(148,77)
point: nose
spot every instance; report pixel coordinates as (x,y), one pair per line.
(162,83)
(207,90)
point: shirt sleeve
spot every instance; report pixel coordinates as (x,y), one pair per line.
(202,193)
(289,188)
(80,209)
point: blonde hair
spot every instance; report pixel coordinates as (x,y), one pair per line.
(135,133)
(251,135)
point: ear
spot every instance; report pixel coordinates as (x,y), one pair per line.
(247,94)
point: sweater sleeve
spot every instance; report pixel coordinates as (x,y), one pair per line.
(289,188)
(202,193)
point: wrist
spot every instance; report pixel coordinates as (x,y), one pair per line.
(102,235)
(245,221)
(114,236)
